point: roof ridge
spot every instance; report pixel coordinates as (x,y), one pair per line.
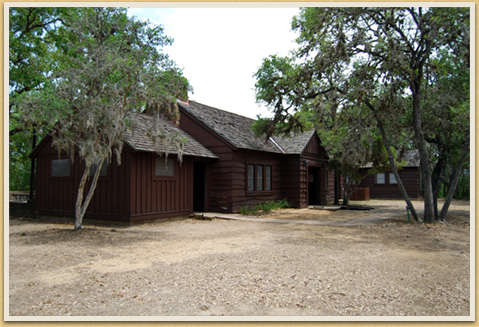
(277,144)
(226,111)
(236,130)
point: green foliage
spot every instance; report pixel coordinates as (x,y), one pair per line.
(19,164)
(105,67)
(33,36)
(264,208)
(108,66)
(376,80)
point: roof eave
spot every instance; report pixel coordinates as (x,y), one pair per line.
(185,110)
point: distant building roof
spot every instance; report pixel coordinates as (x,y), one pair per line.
(139,140)
(410,156)
(237,131)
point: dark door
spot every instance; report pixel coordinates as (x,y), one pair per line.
(314,187)
(199,169)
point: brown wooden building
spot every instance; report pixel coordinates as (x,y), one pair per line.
(252,169)
(384,184)
(225,167)
(145,186)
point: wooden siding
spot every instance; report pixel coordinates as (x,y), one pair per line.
(330,187)
(294,184)
(314,149)
(219,179)
(409,176)
(295,174)
(129,192)
(313,156)
(156,197)
(57,195)
(240,194)
(228,178)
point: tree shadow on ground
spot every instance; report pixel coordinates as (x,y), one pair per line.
(99,236)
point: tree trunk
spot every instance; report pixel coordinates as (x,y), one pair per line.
(400,184)
(78,205)
(337,186)
(348,186)
(454,182)
(345,197)
(387,145)
(423,155)
(437,182)
(82,205)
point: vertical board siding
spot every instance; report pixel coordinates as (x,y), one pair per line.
(108,197)
(156,195)
(129,192)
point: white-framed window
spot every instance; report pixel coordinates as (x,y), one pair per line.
(380,178)
(164,167)
(61,167)
(392,179)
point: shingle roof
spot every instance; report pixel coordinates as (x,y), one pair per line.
(295,143)
(139,140)
(410,156)
(236,130)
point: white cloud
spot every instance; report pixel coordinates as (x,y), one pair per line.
(221,48)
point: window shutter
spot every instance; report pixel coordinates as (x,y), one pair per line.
(61,168)
(165,168)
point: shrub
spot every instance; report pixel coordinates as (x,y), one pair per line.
(264,208)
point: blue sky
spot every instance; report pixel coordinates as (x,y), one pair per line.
(220,49)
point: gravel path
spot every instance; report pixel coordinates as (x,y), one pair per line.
(240,268)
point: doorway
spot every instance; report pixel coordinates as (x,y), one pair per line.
(314,186)
(199,177)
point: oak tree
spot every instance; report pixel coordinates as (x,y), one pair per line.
(109,67)
(386,60)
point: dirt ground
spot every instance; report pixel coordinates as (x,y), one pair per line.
(352,263)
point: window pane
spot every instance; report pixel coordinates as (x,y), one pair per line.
(392,179)
(380,178)
(250,177)
(267,185)
(61,168)
(165,168)
(259,179)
